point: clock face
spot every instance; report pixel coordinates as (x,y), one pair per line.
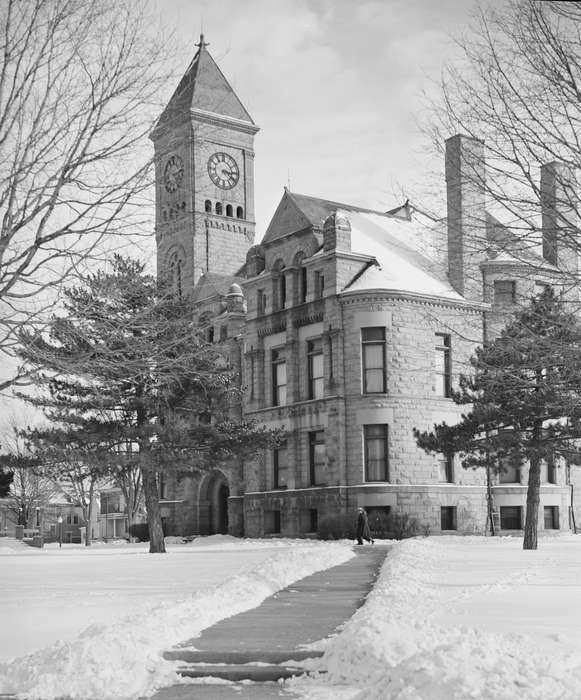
(223,170)
(173,173)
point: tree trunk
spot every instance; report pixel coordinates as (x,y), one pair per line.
(489,499)
(156,541)
(533,499)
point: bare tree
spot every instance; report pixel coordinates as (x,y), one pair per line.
(79,81)
(517,87)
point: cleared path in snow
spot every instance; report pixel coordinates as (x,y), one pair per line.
(275,632)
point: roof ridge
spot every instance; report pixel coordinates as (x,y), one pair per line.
(343,205)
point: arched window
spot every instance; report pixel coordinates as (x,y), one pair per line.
(279,284)
(301,278)
(175,269)
(228,210)
(239,213)
(219,208)
(208,206)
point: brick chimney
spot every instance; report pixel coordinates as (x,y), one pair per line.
(336,232)
(465,179)
(560,221)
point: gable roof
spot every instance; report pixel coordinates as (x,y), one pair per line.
(204,87)
(297,212)
(213,284)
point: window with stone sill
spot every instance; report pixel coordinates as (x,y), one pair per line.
(509,474)
(548,472)
(315,374)
(443,365)
(279,378)
(261,302)
(280,466)
(511,517)
(373,359)
(317,458)
(319,284)
(448,518)
(446,469)
(376,452)
(504,292)
(551,517)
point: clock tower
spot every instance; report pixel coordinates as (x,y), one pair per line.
(204,174)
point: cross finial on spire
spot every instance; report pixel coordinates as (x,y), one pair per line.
(202,43)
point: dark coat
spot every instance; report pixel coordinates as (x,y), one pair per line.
(363,531)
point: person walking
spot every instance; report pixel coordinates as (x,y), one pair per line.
(363,531)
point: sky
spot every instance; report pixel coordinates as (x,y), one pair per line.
(335,86)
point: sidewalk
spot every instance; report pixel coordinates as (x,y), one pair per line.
(261,644)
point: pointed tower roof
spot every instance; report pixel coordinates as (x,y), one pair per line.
(204,92)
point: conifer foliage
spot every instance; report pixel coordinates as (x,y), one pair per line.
(525,396)
(127,374)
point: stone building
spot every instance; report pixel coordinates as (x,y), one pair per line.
(349,326)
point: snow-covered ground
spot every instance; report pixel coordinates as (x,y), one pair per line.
(456,618)
(93,622)
(449,618)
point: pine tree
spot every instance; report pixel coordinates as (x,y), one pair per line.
(525,396)
(127,373)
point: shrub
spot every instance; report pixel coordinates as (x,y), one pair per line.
(337,527)
(139,530)
(403,526)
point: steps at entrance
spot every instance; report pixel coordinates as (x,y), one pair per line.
(257,666)
(241,672)
(191,656)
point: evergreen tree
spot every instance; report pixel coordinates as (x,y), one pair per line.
(127,374)
(525,396)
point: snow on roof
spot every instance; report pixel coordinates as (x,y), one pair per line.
(400,266)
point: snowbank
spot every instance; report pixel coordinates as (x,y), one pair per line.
(405,643)
(123,660)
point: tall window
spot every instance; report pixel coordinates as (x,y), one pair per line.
(239,213)
(551,516)
(282,290)
(261,302)
(319,284)
(315,369)
(303,285)
(280,462)
(448,518)
(373,355)
(208,206)
(176,274)
(376,454)
(228,210)
(509,474)
(219,208)
(162,486)
(548,471)
(504,292)
(317,457)
(278,378)
(442,365)
(446,464)
(511,517)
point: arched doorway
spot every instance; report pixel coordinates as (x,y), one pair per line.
(213,504)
